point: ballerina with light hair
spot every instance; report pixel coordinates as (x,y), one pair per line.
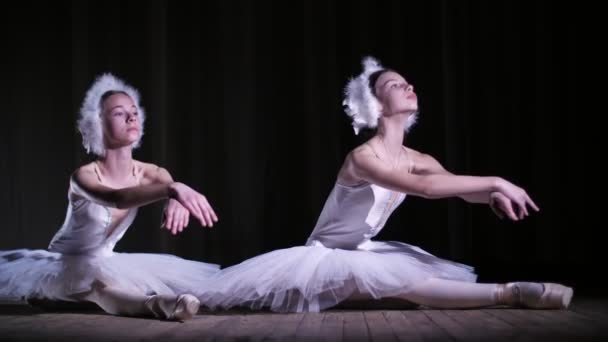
(341,261)
(80,264)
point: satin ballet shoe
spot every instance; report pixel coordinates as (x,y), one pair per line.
(180,308)
(187,306)
(535,295)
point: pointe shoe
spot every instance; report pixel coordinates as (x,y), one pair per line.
(180,308)
(536,295)
(187,306)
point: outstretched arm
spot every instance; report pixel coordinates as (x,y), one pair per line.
(500,204)
(427,184)
(123,198)
(154,187)
(366,166)
(176,214)
(427,164)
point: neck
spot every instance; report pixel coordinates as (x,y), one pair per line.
(391,130)
(117,163)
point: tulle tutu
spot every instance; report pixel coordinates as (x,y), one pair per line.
(313,278)
(42,274)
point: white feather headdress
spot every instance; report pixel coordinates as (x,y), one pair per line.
(89,123)
(359,101)
(360,104)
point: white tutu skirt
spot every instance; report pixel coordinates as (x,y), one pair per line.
(42,274)
(313,278)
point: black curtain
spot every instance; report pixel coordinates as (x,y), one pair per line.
(244,104)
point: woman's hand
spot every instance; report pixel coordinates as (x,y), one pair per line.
(175,217)
(502,206)
(516,203)
(194,202)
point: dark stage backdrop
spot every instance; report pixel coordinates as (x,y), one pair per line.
(244,104)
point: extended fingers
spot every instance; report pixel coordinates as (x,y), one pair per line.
(508,208)
(531,203)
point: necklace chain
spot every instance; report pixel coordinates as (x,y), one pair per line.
(395,163)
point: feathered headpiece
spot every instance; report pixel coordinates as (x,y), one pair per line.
(89,123)
(359,101)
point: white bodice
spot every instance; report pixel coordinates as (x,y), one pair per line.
(352,215)
(87,226)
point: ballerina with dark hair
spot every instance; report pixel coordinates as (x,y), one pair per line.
(341,261)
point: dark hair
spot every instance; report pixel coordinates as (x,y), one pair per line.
(373,78)
(109,93)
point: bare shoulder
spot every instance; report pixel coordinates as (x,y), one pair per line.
(356,164)
(84,173)
(416,154)
(147,167)
(153,173)
(86,168)
(360,154)
(86,177)
(425,163)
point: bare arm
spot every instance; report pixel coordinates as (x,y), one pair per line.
(196,203)
(155,187)
(428,185)
(426,164)
(120,198)
(505,198)
(154,174)
(175,216)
